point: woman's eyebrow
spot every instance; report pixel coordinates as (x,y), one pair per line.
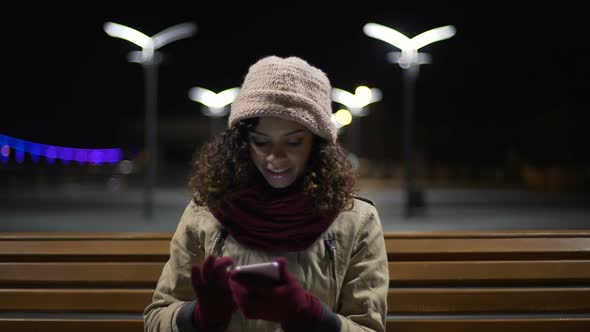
(296,131)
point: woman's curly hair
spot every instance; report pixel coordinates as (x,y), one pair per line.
(222,168)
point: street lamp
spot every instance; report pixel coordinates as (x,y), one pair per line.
(409,60)
(357,105)
(341,118)
(150,59)
(214,104)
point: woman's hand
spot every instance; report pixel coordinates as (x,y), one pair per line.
(215,304)
(283,301)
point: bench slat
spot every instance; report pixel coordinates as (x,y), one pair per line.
(55,250)
(406,325)
(71,325)
(399,249)
(489,272)
(75,273)
(75,300)
(400,301)
(488,233)
(488,300)
(568,324)
(127,236)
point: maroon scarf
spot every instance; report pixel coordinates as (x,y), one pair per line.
(272,219)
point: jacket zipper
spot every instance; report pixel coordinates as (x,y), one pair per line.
(330,244)
(217,248)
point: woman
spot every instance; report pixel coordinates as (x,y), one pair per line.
(275,186)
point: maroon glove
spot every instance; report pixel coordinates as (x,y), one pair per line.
(214,300)
(283,301)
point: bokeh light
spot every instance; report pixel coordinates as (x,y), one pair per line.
(51,152)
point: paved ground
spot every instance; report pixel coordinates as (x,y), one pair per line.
(77,208)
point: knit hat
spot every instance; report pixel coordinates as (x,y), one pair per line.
(287,88)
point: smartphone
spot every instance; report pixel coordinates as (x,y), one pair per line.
(270,269)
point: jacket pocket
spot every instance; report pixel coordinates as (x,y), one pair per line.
(330,244)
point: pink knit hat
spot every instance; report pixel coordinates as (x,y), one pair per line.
(287,88)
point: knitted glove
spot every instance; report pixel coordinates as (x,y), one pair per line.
(283,301)
(214,300)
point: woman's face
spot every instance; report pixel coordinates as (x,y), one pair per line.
(280,149)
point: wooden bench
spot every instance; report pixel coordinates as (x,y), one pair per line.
(489,281)
(78,282)
(439,281)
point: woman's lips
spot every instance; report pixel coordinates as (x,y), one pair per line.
(278,173)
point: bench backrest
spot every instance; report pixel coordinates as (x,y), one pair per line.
(439,281)
(489,281)
(78,281)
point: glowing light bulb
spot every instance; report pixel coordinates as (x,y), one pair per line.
(343,117)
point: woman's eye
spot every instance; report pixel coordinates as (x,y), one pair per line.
(294,143)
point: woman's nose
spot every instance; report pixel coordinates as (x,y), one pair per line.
(276,153)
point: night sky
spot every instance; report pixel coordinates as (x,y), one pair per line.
(513,78)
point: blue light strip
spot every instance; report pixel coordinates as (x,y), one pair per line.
(52,152)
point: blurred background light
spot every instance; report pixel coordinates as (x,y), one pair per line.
(51,152)
(5,150)
(343,117)
(215,102)
(356,102)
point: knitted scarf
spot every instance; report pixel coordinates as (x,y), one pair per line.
(272,219)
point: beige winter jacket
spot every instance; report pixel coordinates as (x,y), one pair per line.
(346,268)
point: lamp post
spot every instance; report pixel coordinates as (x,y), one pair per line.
(150,59)
(214,104)
(409,60)
(357,105)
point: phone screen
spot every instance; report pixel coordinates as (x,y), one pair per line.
(270,269)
